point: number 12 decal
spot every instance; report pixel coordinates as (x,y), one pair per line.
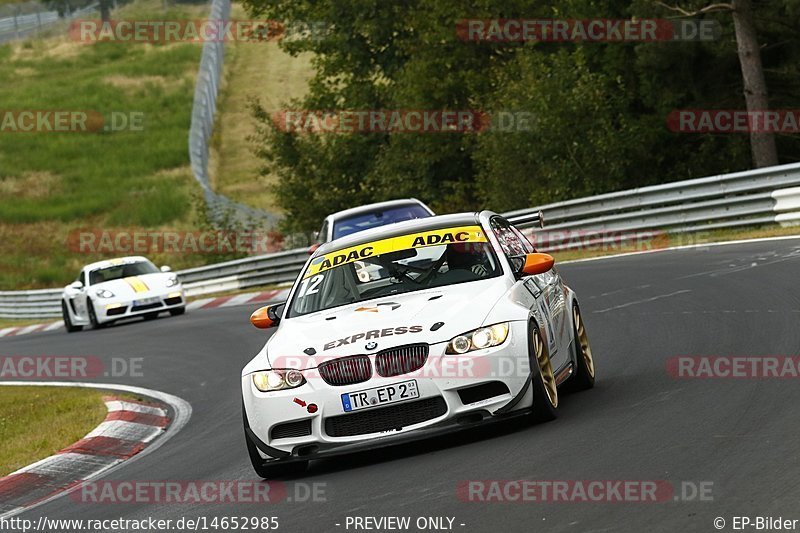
(310,285)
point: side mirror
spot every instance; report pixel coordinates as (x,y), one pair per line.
(536,264)
(77,285)
(165,268)
(267,317)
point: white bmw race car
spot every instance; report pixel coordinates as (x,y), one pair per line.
(466,324)
(107,291)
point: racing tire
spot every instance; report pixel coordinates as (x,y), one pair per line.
(270,469)
(68,325)
(583,379)
(543,380)
(150,316)
(177,311)
(92,317)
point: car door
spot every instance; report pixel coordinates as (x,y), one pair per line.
(547,290)
(77,297)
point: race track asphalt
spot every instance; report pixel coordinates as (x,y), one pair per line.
(639,423)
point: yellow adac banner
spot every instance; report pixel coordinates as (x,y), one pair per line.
(403,242)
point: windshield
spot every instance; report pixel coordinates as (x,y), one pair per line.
(396,265)
(363,221)
(121,271)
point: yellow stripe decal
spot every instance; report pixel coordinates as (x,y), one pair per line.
(137,285)
(404,242)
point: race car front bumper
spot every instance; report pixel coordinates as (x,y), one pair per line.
(454,392)
(116,309)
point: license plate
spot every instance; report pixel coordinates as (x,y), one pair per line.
(147,301)
(396,392)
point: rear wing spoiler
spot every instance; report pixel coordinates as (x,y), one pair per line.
(534,219)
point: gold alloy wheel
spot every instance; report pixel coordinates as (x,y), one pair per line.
(583,340)
(545,368)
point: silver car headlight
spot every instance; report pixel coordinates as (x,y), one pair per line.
(478,339)
(104,293)
(172,281)
(274,380)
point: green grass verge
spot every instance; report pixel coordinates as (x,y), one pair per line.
(51,183)
(20,322)
(253,70)
(36,422)
(129,181)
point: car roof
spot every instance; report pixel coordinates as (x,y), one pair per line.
(399,228)
(333,217)
(116,261)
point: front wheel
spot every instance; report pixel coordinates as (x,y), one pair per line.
(177,311)
(545,390)
(70,327)
(93,317)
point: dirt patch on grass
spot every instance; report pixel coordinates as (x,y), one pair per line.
(29,185)
(139,82)
(24,72)
(53,47)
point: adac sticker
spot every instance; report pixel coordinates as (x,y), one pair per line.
(393,244)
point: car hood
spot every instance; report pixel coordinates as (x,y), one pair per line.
(390,321)
(136,286)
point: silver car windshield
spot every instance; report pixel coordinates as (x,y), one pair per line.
(395,266)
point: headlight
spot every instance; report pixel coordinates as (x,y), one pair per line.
(172,281)
(272,380)
(103,293)
(479,339)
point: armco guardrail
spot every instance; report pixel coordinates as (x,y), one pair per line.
(762,196)
(204,108)
(281,267)
(20,20)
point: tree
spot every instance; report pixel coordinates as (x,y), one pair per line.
(599,108)
(762,144)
